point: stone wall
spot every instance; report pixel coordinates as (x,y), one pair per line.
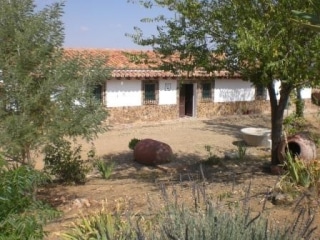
(205,109)
(145,113)
(211,109)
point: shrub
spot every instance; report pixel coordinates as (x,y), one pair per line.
(182,223)
(22,216)
(105,169)
(65,163)
(179,221)
(133,142)
(101,226)
(294,124)
(301,173)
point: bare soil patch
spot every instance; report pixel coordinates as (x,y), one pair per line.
(134,186)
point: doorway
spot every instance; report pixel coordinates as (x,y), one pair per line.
(186,100)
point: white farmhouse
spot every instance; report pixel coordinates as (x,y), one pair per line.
(135,92)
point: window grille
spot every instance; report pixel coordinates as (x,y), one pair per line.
(150,93)
(97,92)
(206,91)
(261,93)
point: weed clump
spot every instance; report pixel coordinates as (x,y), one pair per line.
(105,169)
(133,142)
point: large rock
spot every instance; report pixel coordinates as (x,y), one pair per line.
(152,152)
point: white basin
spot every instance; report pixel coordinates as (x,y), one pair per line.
(256,136)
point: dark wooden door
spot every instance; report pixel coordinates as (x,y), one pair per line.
(189,100)
(182,101)
(186,100)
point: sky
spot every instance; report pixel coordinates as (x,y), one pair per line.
(103,23)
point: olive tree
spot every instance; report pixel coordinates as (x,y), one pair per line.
(45,93)
(310,19)
(256,39)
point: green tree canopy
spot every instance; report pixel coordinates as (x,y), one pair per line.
(256,39)
(311,19)
(45,93)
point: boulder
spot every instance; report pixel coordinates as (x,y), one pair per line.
(152,152)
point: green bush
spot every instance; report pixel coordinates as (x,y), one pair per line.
(133,142)
(65,163)
(294,124)
(22,216)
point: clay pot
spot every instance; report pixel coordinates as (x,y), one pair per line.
(152,152)
(298,145)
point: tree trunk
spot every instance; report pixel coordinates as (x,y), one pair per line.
(26,155)
(277,112)
(299,103)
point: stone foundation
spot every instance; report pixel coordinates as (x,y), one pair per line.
(211,109)
(153,113)
(145,113)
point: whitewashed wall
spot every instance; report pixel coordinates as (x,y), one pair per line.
(167,92)
(123,93)
(277,85)
(232,90)
(305,92)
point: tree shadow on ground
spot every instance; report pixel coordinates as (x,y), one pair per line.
(232,126)
(189,167)
(127,167)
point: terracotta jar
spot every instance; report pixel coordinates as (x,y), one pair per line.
(152,152)
(298,145)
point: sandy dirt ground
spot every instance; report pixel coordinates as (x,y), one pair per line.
(134,186)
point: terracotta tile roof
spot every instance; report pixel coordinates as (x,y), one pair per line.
(127,73)
(131,64)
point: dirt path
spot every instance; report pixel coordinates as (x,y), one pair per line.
(185,136)
(133,185)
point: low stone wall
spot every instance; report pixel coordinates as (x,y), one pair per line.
(153,113)
(211,109)
(145,113)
